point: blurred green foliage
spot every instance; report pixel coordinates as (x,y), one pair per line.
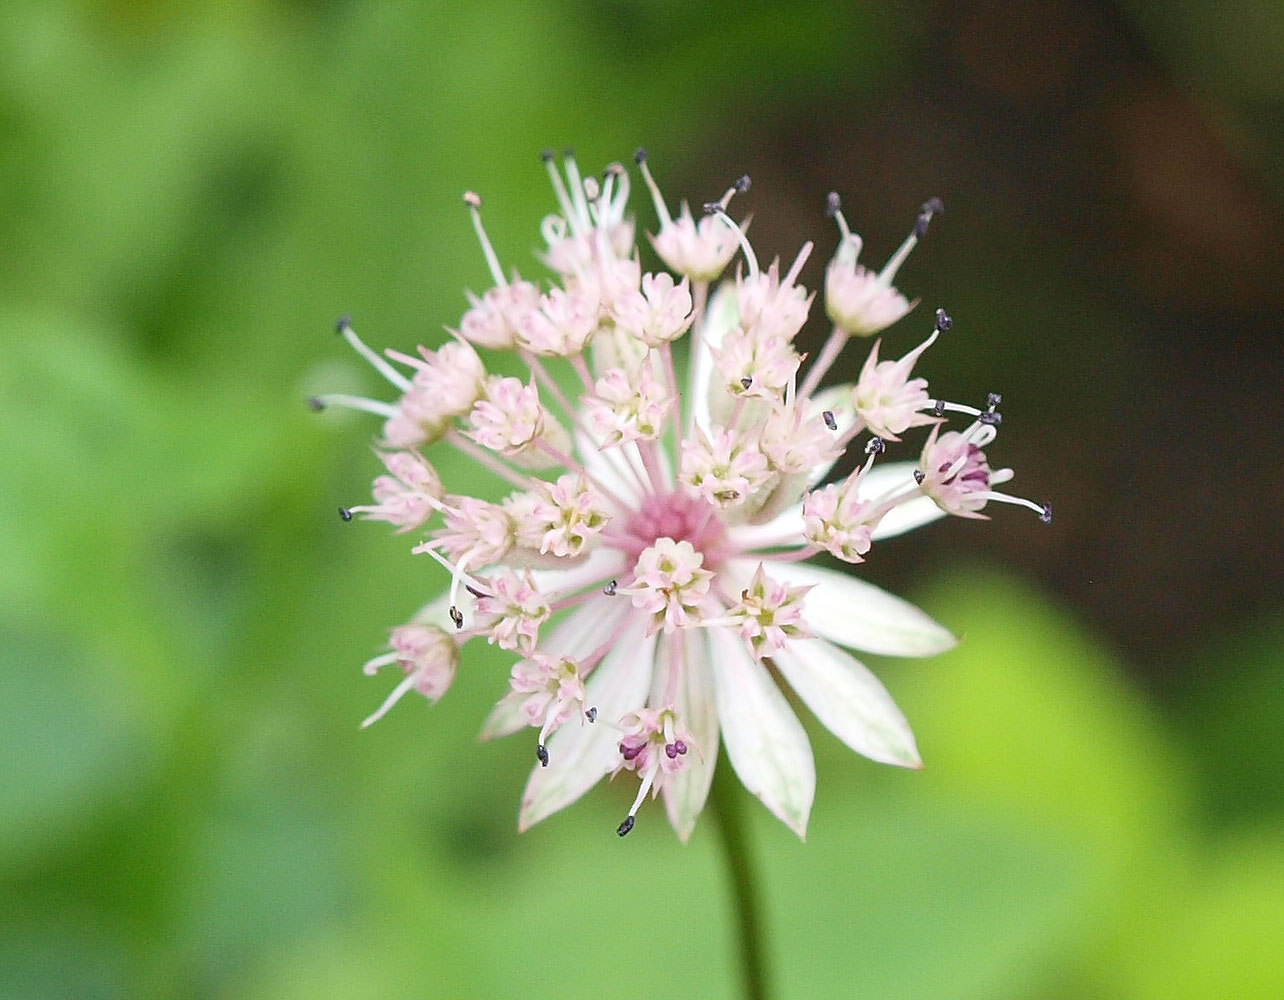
(190,194)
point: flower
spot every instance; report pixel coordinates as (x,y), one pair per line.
(644,557)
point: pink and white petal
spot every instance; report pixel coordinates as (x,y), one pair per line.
(765,742)
(721,314)
(906,517)
(576,635)
(687,791)
(607,468)
(601,564)
(581,755)
(837,399)
(785,529)
(849,700)
(847,610)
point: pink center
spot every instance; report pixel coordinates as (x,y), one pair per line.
(672,515)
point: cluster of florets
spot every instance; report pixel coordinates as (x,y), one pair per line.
(643,557)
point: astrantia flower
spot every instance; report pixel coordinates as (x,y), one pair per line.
(642,553)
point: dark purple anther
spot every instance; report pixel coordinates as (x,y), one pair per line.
(591,714)
(833,204)
(939,409)
(345,513)
(315,404)
(630,752)
(943,320)
(746,383)
(830,422)
(875,446)
(919,477)
(680,746)
(344,322)
(1046,516)
(456,616)
(991,418)
(625,827)
(541,754)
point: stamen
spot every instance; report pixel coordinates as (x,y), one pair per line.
(541,754)
(559,188)
(456,616)
(990,417)
(661,209)
(609,589)
(345,513)
(830,421)
(797,266)
(576,186)
(943,321)
(715,208)
(919,476)
(375,406)
(344,327)
(931,207)
(875,446)
(1046,516)
(473,201)
(591,714)
(391,700)
(626,826)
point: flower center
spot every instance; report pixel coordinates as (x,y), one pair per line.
(673,515)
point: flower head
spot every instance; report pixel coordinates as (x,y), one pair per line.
(643,555)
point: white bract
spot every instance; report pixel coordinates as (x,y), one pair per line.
(642,556)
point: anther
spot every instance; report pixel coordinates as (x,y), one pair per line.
(568,153)
(875,446)
(343,323)
(625,827)
(345,513)
(547,155)
(919,476)
(1046,516)
(991,418)
(943,320)
(680,746)
(628,752)
(315,404)
(742,184)
(746,383)
(712,207)
(993,400)
(472,199)
(939,409)
(609,589)
(592,190)
(833,204)
(639,157)
(456,616)
(671,751)
(591,714)
(613,170)
(474,591)
(830,421)
(541,754)
(931,207)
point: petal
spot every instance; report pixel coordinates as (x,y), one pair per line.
(786,528)
(580,755)
(686,792)
(837,399)
(765,742)
(607,468)
(896,476)
(847,610)
(721,314)
(906,517)
(600,564)
(578,634)
(848,700)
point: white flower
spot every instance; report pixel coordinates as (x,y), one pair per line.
(652,580)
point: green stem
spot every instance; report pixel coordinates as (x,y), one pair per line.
(726,799)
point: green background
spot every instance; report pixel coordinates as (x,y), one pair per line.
(191,193)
